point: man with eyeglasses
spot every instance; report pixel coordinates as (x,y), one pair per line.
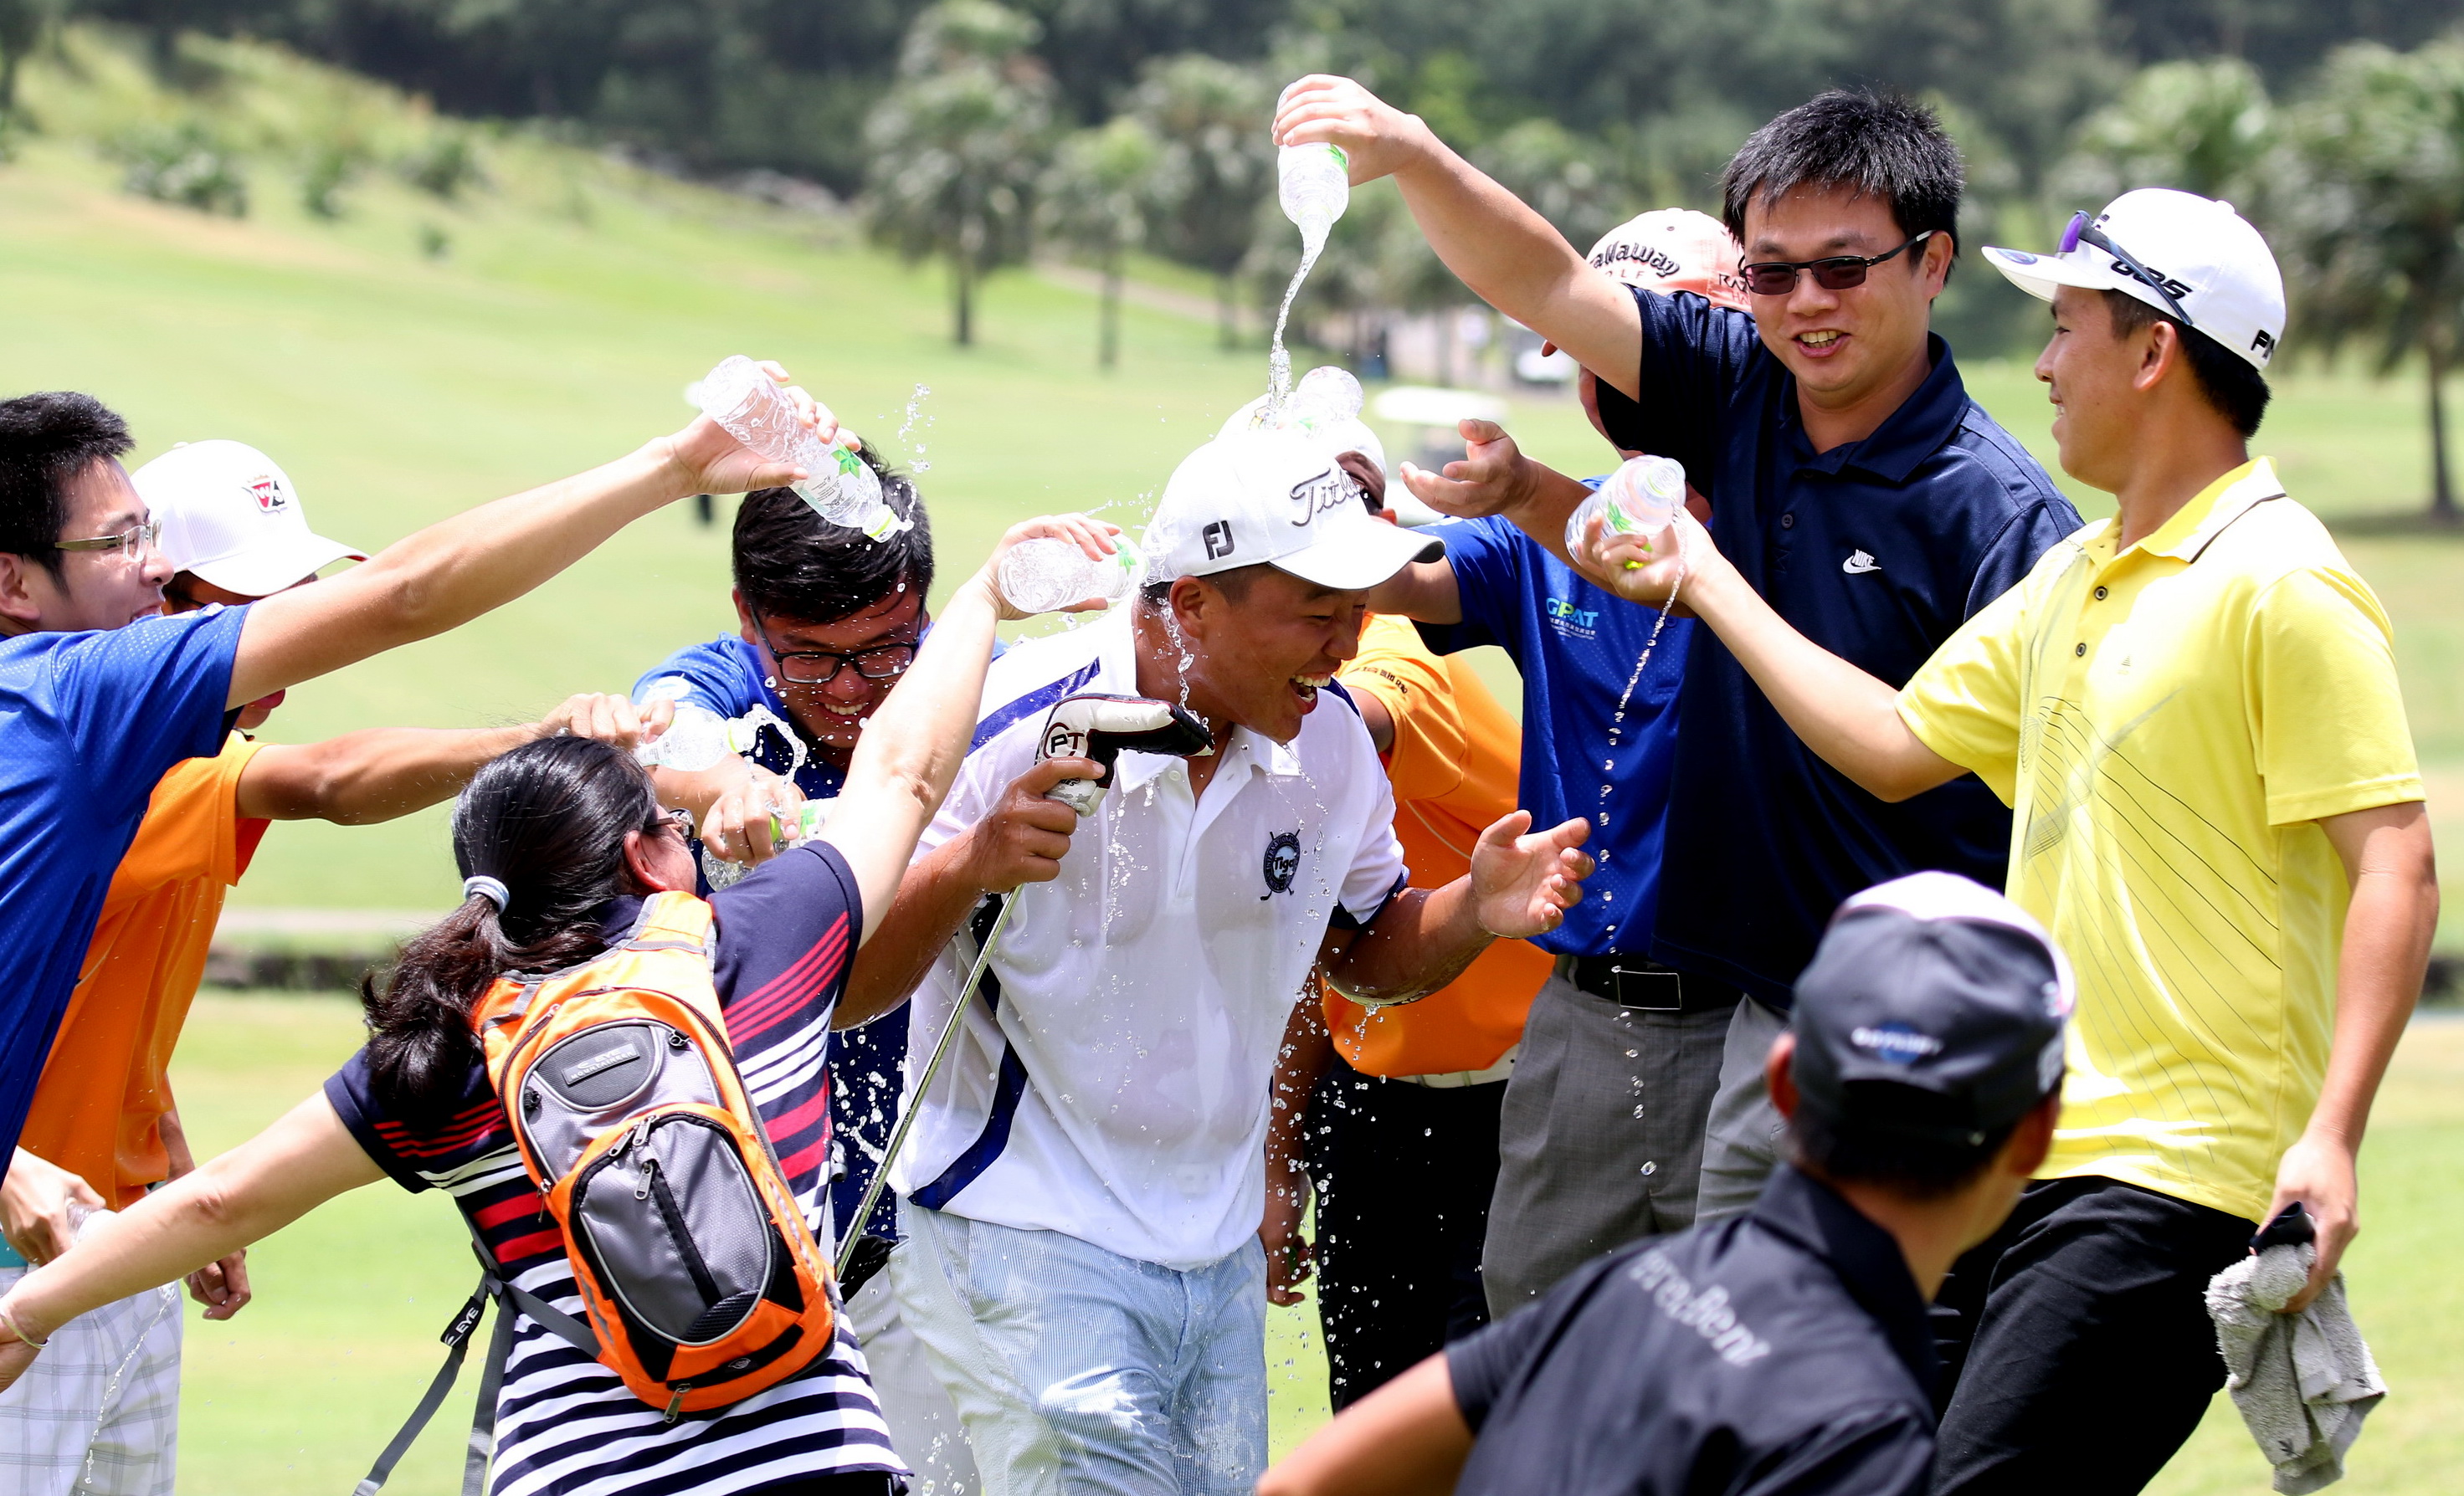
(2194,708)
(826,622)
(1853,483)
(98,695)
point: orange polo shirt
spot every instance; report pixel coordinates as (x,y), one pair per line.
(99,1108)
(1453,767)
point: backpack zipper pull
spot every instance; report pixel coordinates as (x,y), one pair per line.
(675,1404)
(649,1171)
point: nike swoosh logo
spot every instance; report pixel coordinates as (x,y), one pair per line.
(1857,563)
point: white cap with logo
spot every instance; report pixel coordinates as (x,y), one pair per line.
(231,517)
(2188,257)
(1277,497)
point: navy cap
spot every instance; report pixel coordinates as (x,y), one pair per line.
(1934,1008)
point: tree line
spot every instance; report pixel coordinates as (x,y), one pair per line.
(972,131)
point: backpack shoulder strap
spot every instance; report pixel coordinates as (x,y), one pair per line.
(509,1298)
(674,922)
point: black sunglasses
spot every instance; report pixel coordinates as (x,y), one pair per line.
(821,667)
(2084,231)
(1833,272)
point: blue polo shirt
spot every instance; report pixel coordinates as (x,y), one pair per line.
(1876,550)
(1576,647)
(726,676)
(88,723)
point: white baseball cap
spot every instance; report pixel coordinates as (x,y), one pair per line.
(2188,257)
(1671,250)
(231,517)
(1277,497)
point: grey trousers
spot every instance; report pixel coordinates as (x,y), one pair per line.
(1600,1138)
(1746,1134)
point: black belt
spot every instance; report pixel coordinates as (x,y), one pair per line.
(1646,986)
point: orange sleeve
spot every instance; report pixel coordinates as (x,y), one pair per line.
(1413,685)
(191,827)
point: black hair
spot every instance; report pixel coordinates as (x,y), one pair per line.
(1234,583)
(548,820)
(47,442)
(1900,1139)
(792,565)
(1873,144)
(2238,391)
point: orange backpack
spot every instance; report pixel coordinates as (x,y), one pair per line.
(702,1283)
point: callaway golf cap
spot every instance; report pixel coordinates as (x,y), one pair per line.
(2191,257)
(1674,248)
(231,517)
(1934,1008)
(1278,498)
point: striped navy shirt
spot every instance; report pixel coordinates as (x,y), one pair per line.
(566,1426)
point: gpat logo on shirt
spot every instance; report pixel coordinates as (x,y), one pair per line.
(1567,614)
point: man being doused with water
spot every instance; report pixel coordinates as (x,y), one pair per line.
(1083,1191)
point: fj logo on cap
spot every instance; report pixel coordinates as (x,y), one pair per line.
(270,498)
(1896,1042)
(1219,540)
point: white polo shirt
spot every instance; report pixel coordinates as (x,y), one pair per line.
(1112,1077)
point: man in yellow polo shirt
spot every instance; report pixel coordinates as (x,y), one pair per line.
(2192,710)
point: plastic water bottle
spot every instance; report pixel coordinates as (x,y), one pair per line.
(1041,575)
(1314,184)
(1641,498)
(843,490)
(699,737)
(787,829)
(1325,395)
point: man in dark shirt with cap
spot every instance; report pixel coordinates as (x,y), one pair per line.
(1786,1350)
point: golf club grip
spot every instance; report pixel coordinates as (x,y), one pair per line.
(853,1231)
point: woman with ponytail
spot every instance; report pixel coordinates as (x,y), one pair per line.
(559,843)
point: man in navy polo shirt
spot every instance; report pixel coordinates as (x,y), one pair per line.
(1852,480)
(1600,1133)
(826,622)
(100,695)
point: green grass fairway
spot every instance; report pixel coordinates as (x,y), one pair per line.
(295,1396)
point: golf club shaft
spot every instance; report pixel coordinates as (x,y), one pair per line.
(853,1231)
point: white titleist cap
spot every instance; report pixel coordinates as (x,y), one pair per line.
(2188,257)
(1278,498)
(231,517)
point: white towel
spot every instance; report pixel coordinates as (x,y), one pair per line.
(2303,1382)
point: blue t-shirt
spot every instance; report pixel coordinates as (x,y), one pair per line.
(726,676)
(1576,648)
(88,723)
(1876,550)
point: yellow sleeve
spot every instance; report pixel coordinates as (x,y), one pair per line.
(2327,715)
(1964,703)
(1411,683)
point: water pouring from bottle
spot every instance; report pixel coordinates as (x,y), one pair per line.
(1313,183)
(843,489)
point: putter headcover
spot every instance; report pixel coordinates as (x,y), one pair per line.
(1103,728)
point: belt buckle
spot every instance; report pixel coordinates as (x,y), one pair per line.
(1649,992)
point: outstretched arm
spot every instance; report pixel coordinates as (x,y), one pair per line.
(1406,1439)
(910,753)
(1508,254)
(1520,885)
(1850,718)
(363,777)
(246,1194)
(456,570)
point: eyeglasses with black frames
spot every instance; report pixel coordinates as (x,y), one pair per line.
(821,667)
